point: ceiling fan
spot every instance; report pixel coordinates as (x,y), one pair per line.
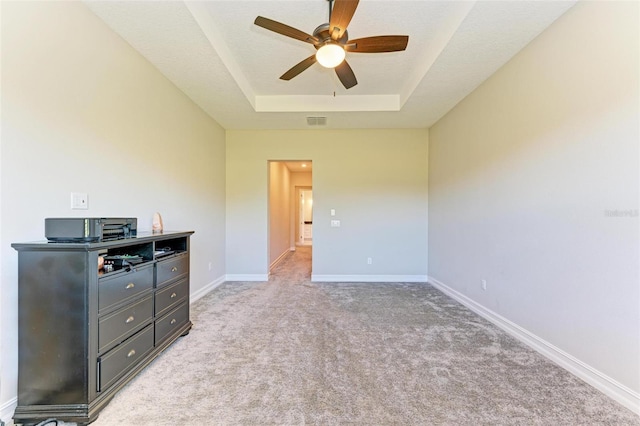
(332,42)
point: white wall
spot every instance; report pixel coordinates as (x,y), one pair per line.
(83,112)
(376,180)
(524,177)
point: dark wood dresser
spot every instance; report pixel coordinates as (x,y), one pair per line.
(85,332)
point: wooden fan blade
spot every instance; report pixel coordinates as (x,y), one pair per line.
(378,44)
(299,67)
(285,30)
(346,75)
(341,15)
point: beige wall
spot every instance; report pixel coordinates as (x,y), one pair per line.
(525,177)
(279,211)
(83,112)
(376,180)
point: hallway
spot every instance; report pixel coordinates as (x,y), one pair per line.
(295,267)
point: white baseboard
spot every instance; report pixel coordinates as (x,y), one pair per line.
(247,277)
(279,259)
(6,411)
(206,289)
(605,384)
(370,278)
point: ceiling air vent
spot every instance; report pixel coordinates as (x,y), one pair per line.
(317,121)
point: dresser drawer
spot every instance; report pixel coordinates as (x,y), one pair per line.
(168,324)
(117,361)
(115,327)
(168,297)
(115,290)
(171,269)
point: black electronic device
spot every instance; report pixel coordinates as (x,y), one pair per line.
(92,229)
(120,261)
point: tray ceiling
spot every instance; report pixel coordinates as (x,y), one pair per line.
(212,51)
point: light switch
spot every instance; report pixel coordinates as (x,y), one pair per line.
(335,224)
(333,212)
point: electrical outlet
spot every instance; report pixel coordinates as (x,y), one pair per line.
(484,284)
(369,261)
(210,265)
(79,201)
(335,224)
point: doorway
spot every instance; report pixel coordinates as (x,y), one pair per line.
(305,216)
(288,181)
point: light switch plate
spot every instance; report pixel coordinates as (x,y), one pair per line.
(333,212)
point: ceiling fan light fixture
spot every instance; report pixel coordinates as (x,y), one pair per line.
(331,41)
(330,55)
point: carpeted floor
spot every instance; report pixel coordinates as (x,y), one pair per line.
(292,352)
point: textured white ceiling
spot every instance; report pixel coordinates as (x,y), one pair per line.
(214,53)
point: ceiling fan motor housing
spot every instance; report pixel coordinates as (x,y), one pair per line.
(322,34)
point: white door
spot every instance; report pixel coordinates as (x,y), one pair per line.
(305,229)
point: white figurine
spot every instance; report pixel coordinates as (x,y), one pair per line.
(157,223)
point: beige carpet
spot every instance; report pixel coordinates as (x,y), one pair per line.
(293,352)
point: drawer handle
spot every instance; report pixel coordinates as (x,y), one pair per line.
(173,321)
(131,318)
(173,295)
(130,285)
(174,269)
(131,353)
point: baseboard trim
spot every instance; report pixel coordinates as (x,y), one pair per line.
(206,289)
(247,277)
(279,259)
(605,384)
(7,409)
(370,278)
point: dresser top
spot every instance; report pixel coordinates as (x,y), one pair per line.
(140,238)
